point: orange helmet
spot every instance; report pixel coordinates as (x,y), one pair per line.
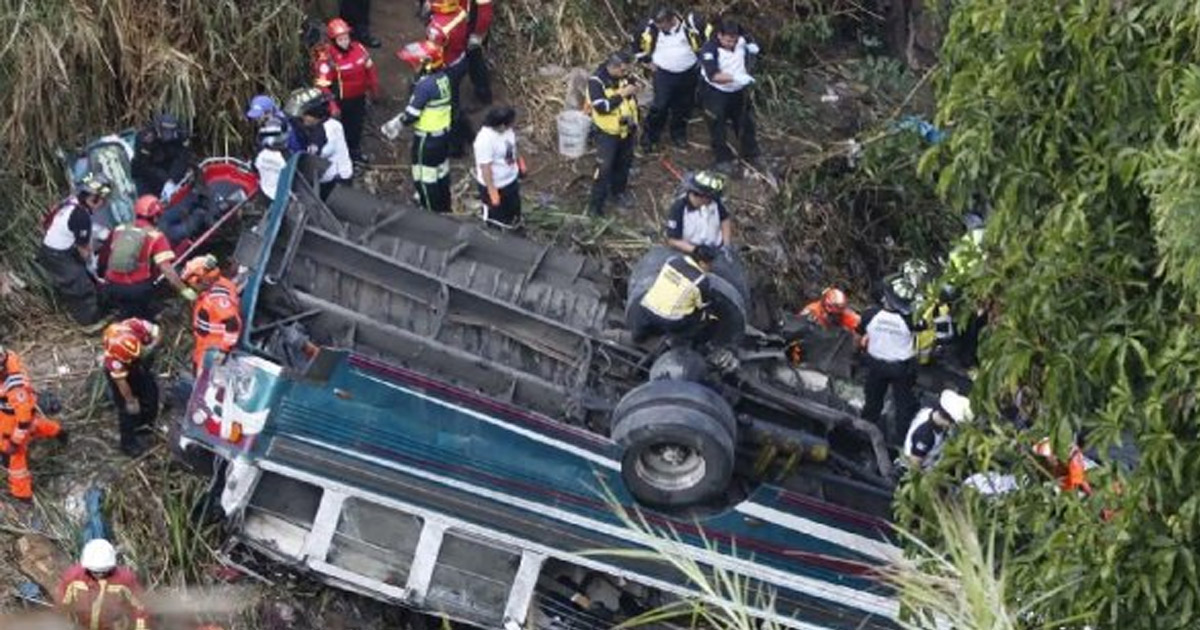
(444,6)
(422,54)
(833,300)
(336,28)
(148,207)
(201,271)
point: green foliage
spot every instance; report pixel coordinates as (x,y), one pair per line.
(1078,122)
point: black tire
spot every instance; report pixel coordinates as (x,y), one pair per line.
(679,364)
(678,440)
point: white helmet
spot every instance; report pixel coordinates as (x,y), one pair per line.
(99,556)
(957,406)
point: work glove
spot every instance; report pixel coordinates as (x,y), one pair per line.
(494,198)
(391,129)
(133,407)
(188,293)
(474,41)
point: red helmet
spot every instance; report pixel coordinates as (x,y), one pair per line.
(336,28)
(422,54)
(125,340)
(147,207)
(444,6)
(201,271)
(833,300)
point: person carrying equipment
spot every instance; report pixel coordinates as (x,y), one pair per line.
(135,252)
(677,303)
(99,595)
(66,252)
(429,113)
(128,345)
(216,314)
(449,27)
(611,96)
(21,422)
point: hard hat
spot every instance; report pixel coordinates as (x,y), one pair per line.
(99,556)
(336,28)
(260,106)
(422,54)
(444,6)
(957,406)
(706,183)
(303,100)
(201,271)
(898,298)
(833,300)
(123,345)
(167,127)
(94,183)
(704,253)
(147,207)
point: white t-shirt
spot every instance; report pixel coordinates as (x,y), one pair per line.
(269,163)
(733,63)
(337,152)
(673,52)
(889,337)
(498,151)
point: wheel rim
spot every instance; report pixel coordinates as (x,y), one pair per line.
(670,466)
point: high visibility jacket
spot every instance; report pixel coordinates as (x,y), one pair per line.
(18,403)
(611,113)
(135,250)
(816,313)
(346,73)
(126,342)
(678,291)
(113,602)
(452,31)
(429,106)
(216,319)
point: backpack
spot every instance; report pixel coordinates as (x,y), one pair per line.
(125,256)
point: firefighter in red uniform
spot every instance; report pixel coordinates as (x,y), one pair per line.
(21,422)
(216,315)
(96,594)
(479,16)
(344,70)
(127,367)
(133,254)
(449,27)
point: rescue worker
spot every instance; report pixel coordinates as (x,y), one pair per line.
(611,96)
(358,14)
(429,114)
(21,422)
(162,157)
(128,345)
(216,314)
(66,252)
(725,63)
(832,310)
(99,595)
(670,44)
(135,252)
(930,426)
(479,18)
(676,304)
(345,71)
(890,356)
(698,217)
(449,27)
(262,109)
(1071,475)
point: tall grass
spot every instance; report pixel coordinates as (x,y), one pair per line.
(71,70)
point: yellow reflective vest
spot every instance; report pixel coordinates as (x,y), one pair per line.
(678,290)
(611,113)
(436,114)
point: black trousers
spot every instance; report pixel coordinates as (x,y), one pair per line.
(612,173)
(73,284)
(643,324)
(431,170)
(134,300)
(509,211)
(326,188)
(461,133)
(354,115)
(901,377)
(674,98)
(145,389)
(726,109)
(481,76)
(358,14)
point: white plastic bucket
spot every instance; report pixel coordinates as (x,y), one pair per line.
(573,127)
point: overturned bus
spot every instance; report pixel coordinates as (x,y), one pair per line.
(430,413)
